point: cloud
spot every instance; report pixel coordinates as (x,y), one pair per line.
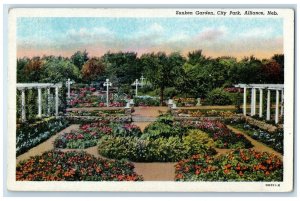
(211,34)
(258,32)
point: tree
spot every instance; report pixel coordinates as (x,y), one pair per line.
(21,65)
(93,69)
(59,70)
(279,58)
(162,70)
(79,58)
(124,67)
(33,69)
(272,72)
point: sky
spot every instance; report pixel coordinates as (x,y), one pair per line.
(237,37)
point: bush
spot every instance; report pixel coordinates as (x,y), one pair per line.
(161,149)
(74,166)
(30,135)
(239,165)
(218,97)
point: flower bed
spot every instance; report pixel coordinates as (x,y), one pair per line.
(239,165)
(101,113)
(74,166)
(30,135)
(205,113)
(161,149)
(161,141)
(88,134)
(185,102)
(271,139)
(146,101)
(83,97)
(218,131)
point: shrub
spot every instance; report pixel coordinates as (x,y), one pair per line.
(218,97)
(162,149)
(239,165)
(74,166)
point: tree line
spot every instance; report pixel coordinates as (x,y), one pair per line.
(193,75)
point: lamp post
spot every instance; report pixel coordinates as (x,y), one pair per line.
(68,83)
(107,84)
(136,82)
(142,80)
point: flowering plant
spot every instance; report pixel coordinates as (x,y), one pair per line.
(74,166)
(238,165)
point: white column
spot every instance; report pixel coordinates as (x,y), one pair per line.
(277,107)
(39,102)
(245,101)
(48,101)
(253,101)
(260,102)
(136,87)
(268,104)
(56,101)
(68,83)
(23,115)
(282,103)
(107,104)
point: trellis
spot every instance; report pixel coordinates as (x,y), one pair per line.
(276,87)
(39,86)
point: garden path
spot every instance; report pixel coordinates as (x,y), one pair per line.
(45,146)
(258,146)
(143,116)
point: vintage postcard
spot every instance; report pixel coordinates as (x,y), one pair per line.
(151,100)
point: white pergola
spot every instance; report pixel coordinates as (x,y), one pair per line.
(275,87)
(39,86)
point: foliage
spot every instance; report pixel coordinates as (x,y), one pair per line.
(79,58)
(161,141)
(223,137)
(238,165)
(93,70)
(122,67)
(88,134)
(57,70)
(30,135)
(150,150)
(162,70)
(74,166)
(218,97)
(145,101)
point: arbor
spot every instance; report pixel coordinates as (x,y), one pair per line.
(93,70)
(79,58)
(162,70)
